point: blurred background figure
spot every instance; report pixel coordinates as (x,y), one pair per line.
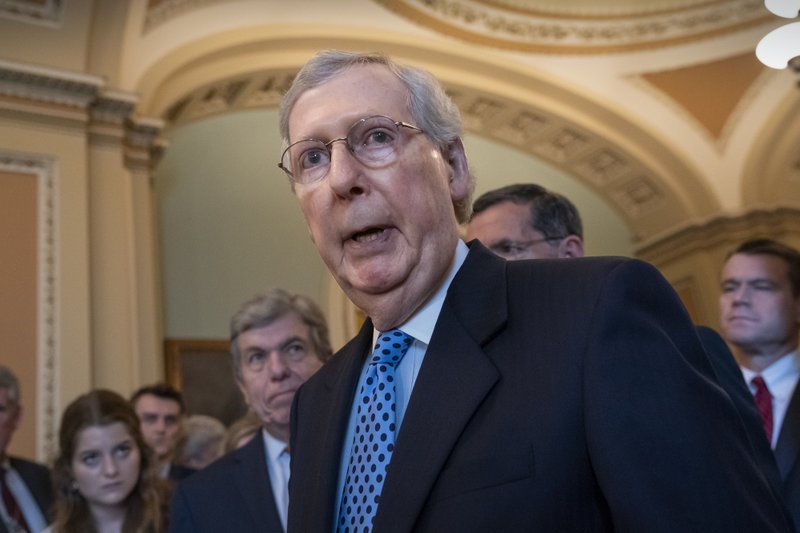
(759,309)
(104,473)
(161,413)
(204,442)
(242,431)
(526,221)
(27,494)
(278,341)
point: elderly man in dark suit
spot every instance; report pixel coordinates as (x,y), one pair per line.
(278,340)
(501,396)
(27,493)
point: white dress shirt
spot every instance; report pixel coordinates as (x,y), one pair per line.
(420,326)
(278,468)
(781,378)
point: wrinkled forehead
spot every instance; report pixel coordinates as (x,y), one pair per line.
(330,108)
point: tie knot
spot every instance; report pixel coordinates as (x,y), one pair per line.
(760,385)
(392,345)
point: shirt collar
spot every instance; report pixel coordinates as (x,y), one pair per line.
(421,324)
(783,368)
(275,447)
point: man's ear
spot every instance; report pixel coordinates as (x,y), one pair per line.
(571,246)
(459,178)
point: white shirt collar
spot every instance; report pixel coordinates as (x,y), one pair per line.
(275,447)
(421,324)
(776,375)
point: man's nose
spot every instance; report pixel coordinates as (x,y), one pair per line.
(346,173)
(741,294)
(277,368)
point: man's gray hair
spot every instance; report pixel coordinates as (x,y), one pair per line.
(431,109)
(10,382)
(272,305)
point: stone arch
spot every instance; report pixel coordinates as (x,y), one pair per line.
(771,174)
(627,165)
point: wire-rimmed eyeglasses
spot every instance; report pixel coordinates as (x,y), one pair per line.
(516,249)
(373,140)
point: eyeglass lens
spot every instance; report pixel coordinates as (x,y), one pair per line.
(372,140)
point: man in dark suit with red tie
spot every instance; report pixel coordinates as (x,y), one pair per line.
(563,396)
(760,317)
(278,340)
(27,493)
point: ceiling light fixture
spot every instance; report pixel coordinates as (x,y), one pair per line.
(781,47)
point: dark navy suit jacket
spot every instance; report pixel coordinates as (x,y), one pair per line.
(556,396)
(231,494)
(37,479)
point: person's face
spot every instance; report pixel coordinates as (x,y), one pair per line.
(276,359)
(505,229)
(9,419)
(106,464)
(386,234)
(758,312)
(160,421)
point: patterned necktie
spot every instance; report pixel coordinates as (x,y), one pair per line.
(763,400)
(373,440)
(12,508)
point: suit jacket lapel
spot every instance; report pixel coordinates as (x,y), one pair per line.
(252,481)
(442,403)
(789,439)
(341,387)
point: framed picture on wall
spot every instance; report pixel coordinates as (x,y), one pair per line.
(202,370)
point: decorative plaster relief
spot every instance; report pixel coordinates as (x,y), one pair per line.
(527,30)
(48,412)
(162,11)
(535,131)
(46,12)
(49,86)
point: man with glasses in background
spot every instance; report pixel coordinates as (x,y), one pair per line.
(526,221)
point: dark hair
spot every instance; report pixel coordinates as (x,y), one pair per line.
(145,510)
(777,249)
(267,307)
(160,390)
(552,214)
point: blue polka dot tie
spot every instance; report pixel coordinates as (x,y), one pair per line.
(373,440)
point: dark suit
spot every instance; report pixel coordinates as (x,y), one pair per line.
(787,452)
(178,472)
(231,494)
(730,378)
(37,479)
(555,396)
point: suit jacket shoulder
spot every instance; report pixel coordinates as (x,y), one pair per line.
(39,483)
(565,395)
(231,494)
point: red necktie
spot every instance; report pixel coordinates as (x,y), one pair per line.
(11,505)
(764,404)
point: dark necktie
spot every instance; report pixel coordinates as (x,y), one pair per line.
(11,505)
(373,440)
(763,400)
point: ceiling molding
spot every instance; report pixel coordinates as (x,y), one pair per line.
(489,24)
